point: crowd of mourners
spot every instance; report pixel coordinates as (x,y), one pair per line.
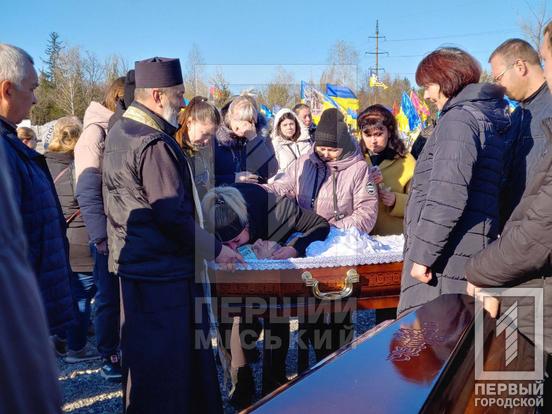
(125,207)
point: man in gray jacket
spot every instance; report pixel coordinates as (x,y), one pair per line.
(522,256)
(516,66)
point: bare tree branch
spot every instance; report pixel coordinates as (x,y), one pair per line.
(532,27)
(342,66)
(280,91)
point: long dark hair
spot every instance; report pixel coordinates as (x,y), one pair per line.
(199,109)
(289,115)
(375,118)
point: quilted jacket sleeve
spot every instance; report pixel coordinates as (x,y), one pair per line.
(523,250)
(455,155)
(365,203)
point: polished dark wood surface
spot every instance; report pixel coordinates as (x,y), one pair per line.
(423,362)
(394,371)
(378,286)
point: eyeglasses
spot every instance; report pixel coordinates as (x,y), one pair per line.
(498,78)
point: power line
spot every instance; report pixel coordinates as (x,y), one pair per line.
(451,36)
(423,55)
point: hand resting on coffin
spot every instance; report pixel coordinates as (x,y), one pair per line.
(264,248)
(267,249)
(228,258)
(490,304)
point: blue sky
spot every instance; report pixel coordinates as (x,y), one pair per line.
(263,34)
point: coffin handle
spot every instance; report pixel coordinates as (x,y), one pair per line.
(350,279)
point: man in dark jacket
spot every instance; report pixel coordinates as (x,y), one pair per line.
(27,366)
(152,207)
(522,256)
(33,190)
(516,66)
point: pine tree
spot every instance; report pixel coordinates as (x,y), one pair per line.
(53,50)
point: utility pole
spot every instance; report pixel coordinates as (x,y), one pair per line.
(376,70)
(377,52)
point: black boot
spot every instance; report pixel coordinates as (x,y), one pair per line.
(244,389)
(274,357)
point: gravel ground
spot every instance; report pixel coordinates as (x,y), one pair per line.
(86,392)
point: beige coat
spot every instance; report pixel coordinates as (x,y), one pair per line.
(287,151)
(88,170)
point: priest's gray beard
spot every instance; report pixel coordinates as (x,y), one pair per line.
(170,114)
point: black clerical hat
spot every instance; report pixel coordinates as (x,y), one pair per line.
(158,72)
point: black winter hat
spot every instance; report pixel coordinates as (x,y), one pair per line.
(332,131)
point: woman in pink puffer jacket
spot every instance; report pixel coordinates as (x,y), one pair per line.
(332,179)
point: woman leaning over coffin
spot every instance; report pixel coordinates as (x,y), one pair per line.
(391,164)
(453,207)
(244,214)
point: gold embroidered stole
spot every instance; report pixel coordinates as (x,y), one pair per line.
(138,115)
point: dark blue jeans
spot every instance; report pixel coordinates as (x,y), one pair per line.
(107,318)
(83,290)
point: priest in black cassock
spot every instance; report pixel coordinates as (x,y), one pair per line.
(156,239)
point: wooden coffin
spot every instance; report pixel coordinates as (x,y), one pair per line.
(423,362)
(373,286)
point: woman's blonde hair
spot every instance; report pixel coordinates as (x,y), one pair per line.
(243,108)
(67,131)
(223,206)
(26,133)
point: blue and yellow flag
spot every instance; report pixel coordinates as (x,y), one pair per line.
(402,121)
(421,107)
(317,101)
(346,100)
(410,112)
(375,82)
(512,105)
(265,111)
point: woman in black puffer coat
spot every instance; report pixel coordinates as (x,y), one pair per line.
(453,207)
(242,151)
(60,161)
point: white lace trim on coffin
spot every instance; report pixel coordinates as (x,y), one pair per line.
(341,248)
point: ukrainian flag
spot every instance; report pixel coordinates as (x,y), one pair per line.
(409,111)
(421,107)
(266,112)
(402,121)
(345,100)
(317,101)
